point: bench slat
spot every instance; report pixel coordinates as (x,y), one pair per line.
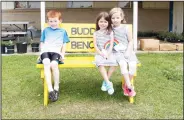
(75,62)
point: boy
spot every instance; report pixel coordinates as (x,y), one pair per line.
(53,44)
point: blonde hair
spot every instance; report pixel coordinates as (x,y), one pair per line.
(54,13)
(117,10)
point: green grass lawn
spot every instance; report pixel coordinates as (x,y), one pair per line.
(159,87)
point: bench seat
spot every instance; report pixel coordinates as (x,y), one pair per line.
(74,62)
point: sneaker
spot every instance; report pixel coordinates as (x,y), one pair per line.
(125,90)
(56,94)
(52,96)
(131,92)
(104,88)
(110,88)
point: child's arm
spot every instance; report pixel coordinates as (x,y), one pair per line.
(41,44)
(130,43)
(95,46)
(42,39)
(63,49)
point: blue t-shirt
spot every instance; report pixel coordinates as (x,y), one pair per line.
(53,39)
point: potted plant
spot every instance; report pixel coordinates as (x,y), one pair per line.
(9,47)
(179,38)
(162,35)
(35,46)
(174,37)
(3,43)
(21,44)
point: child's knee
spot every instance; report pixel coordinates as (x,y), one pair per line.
(132,71)
(46,61)
(123,67)
(132,68)
(124,71)
(54,65)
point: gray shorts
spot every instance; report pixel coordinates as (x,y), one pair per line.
(120,56)
(111,61)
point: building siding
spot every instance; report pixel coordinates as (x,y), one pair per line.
(148,19)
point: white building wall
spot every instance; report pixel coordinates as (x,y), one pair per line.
(178,17)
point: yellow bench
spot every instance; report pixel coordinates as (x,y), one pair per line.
(74,62)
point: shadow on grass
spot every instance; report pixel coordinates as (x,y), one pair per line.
(75,86)
(87,86)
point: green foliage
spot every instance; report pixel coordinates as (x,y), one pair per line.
(7,43)
(163,35)
(32,41)
(147,34)
(170,37)
(24,39)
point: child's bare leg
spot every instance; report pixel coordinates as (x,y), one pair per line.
(124,72)
(47,72)
(132,69)
(131,77)
(107,85)
(110,71)
(55,71)
(103,73)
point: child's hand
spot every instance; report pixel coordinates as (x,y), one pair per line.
(104,53)
(62,58)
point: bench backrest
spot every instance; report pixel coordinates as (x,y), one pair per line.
(81,36)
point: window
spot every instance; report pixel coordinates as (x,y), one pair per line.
(34,4)
(140,4)
(124,4)
(21,4)
(79,4)
(155,5)
(25,5)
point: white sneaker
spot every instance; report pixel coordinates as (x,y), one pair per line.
(104,88)
(110,88)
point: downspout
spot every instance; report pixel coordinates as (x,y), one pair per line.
(135,25)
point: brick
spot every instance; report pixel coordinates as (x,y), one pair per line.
(179,46)
(167,47)
(149,44)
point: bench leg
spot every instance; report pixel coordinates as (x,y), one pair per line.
(42,73)
(45,88)
(131,99)
(45,93)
